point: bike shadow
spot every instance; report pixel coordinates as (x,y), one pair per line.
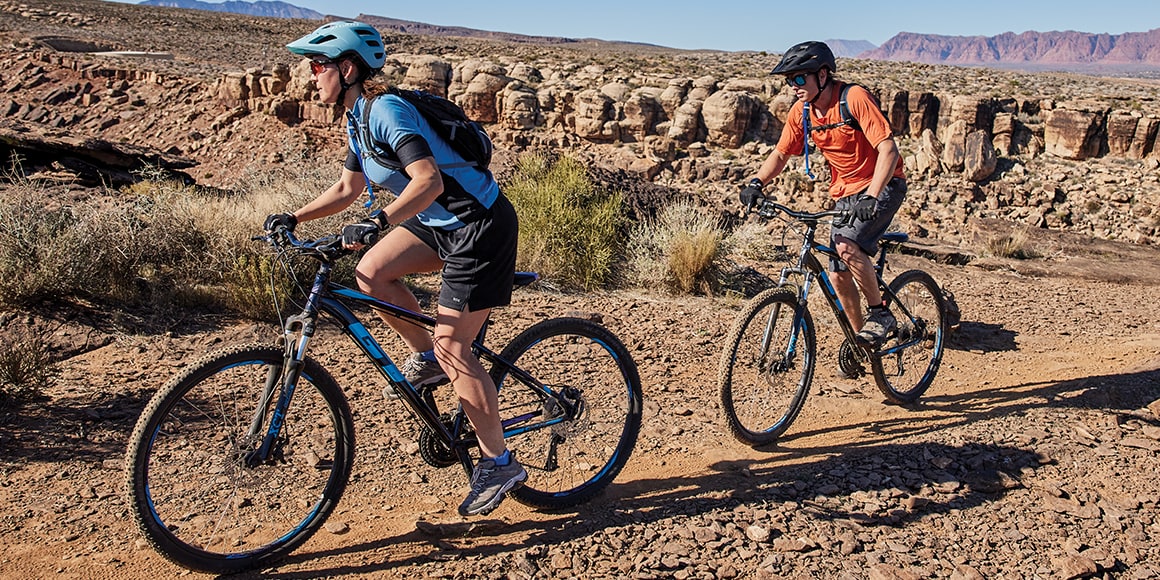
(982,337)
(875,480)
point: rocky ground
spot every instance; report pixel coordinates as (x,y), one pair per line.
(1033,455)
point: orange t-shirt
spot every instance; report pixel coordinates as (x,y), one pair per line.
(851,153)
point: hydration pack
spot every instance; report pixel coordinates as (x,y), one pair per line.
(447,119)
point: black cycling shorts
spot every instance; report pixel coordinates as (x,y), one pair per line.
(479,259)
(867,233)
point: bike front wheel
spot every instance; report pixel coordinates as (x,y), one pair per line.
(906,364)
(767,367)
(196,489)
(570,455)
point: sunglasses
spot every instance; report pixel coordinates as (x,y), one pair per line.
(798,80)
(317,66)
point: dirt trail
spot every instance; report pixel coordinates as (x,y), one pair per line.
(1036,361)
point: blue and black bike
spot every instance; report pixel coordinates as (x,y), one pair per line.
(240,458)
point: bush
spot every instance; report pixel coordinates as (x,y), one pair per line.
(568,227)
(683,248)
(157,241)
(119,248)
(26,369)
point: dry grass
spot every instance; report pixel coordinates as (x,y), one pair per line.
(26,368)
(683,249)
(1014,245)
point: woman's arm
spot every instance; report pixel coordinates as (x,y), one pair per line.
(336,197)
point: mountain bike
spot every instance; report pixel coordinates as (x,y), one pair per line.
(240,458)
(768,362)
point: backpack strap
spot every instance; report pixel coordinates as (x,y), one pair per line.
(370,147)
(843,111)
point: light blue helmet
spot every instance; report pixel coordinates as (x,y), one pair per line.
(335,39)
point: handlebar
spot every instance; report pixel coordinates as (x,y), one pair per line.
(768,208)
(326,248)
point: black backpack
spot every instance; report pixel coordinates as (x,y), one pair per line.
(465,136)
(844,110)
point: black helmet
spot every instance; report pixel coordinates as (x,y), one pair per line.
(808,57)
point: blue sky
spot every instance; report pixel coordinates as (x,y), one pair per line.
(759,24)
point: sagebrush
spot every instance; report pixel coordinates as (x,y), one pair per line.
(569,227)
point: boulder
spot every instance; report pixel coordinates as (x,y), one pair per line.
(703,87)
(1144,142)
(979,158)
(674,95)
(924,110)
(593,112)
(519,109)
(686,126)
(428,73)
(727,116)
(640,114)
(955,145)
(479,99)
(1073,134)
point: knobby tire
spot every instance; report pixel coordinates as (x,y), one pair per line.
(191,491)
(763,389)
(568,463)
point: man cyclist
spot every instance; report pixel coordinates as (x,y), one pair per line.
(866,174)
(455,219)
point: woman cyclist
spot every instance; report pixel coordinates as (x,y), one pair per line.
(454,219)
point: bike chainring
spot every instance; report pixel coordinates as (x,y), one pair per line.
(848,361)
(433,450)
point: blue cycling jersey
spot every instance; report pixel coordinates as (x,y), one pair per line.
(396,123)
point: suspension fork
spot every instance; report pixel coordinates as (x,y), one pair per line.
(296,335)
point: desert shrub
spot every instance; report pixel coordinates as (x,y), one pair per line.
(158,241)
(1015,245)
(682,248)
(26,368)
(568,225)
(115,248)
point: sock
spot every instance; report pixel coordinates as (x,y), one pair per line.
(429,355)
(504,458)
(881,306)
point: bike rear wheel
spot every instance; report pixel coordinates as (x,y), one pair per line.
(193,493)
(570,461)
(767,367)
(906,364)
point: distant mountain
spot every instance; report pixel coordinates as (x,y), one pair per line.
(1066,50)
(273,9)
(848,48)
(389,25)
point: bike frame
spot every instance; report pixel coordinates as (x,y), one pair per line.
(327,297)
(810,268)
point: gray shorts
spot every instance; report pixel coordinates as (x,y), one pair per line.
(479,259)
(867,233)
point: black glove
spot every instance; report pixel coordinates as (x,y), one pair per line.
(280,220)
(751,193)
(865,207)
(363,233)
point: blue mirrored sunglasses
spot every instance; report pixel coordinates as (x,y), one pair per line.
(798,80)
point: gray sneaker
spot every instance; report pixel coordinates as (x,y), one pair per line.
(878,324)
(489,483)
(420,372)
